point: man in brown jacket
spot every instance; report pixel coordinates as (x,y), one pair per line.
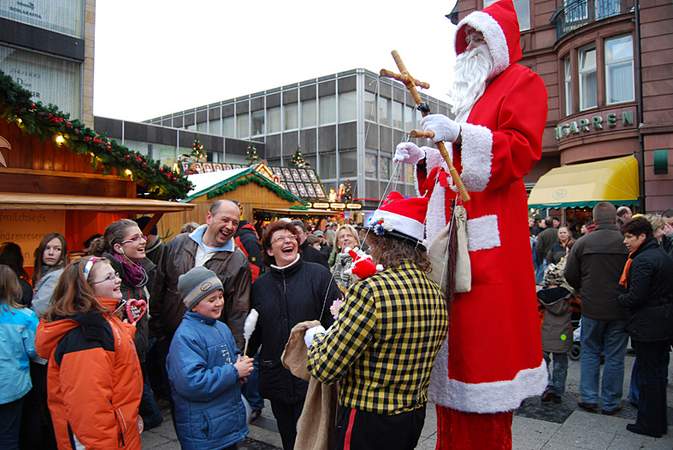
(593,268)
(212,246)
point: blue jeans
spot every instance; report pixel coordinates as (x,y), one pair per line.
(609,338)
(251,388)
(558,372)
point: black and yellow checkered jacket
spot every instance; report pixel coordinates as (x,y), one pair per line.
(383,345)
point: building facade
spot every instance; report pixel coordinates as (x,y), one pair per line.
(345,124)
(608,68)
(47,46)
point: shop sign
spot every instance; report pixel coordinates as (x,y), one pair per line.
(27,228)
(595,123)
(318,205)
(337,205)
(353,206)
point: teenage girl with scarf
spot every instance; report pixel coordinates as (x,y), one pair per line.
(94,377)
(124,244)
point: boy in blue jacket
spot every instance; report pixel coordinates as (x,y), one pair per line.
(205,368)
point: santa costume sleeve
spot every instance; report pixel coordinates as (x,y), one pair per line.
(495,158)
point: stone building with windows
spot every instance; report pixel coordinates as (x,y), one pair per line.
(608,68)
(346,124)
(47,46)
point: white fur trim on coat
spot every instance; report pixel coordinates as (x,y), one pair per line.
(485,398)
(483,233)
(494,37)
(433,158)
(477,153)
(435,218)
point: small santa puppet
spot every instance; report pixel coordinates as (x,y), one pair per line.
(493,358)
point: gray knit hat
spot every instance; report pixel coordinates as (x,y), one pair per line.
(196,285)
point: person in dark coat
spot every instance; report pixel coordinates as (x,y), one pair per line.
(593,269)
(647,281)
(308,253)
(293,290)
(545,239)
(11,255)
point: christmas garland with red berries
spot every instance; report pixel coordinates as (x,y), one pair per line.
(34,118)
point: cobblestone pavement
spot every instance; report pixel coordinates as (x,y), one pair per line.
(536,426)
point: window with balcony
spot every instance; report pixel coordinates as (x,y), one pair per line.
(587,78)
(568,85)
(522,8)
(619,69)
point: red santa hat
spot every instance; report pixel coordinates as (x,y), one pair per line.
(500,27)
(400,217)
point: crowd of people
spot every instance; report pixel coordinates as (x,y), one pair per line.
(618,277)
(96,342)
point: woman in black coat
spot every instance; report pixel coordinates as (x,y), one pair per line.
(648,297)
(290,292)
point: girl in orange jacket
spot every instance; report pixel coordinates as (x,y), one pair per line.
(94,378)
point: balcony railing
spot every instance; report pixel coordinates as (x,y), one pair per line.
(578,13)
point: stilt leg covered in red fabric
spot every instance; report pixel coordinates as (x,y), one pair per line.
(458,430)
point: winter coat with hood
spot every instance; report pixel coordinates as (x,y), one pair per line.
(557,330)
(285,296)
(205,388)
(649,298)
(231,267)
(94,379)
(44,289)
(593,268)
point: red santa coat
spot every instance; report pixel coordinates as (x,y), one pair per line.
(494,356)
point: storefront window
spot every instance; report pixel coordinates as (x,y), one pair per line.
(619,69)
(61,16)
(587,77)
(49,80)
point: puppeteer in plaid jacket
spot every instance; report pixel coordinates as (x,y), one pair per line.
(384,342)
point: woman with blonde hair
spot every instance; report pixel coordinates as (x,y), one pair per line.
(346,237)
(94,378)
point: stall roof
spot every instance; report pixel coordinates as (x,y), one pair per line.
(299,212)
(29,201)
(584,185)
(212,183)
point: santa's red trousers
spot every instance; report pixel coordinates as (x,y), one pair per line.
(458,430)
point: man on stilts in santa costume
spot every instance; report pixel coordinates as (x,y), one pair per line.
(493,358)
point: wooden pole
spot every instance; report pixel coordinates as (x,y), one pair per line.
(411,83)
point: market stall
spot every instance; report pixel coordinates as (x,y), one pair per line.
(58,175)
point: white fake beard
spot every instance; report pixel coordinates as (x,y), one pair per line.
(471,72)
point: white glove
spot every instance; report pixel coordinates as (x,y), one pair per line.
(310,334)
(444,128)
(408,152)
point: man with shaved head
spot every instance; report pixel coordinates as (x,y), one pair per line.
(211,245)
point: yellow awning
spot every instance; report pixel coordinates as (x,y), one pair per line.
(584,185)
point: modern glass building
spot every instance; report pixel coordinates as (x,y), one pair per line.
(346,124)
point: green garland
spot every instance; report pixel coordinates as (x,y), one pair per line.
(153,179)
(254,177)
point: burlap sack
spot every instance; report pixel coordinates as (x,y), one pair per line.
(316,425)
(438,254)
